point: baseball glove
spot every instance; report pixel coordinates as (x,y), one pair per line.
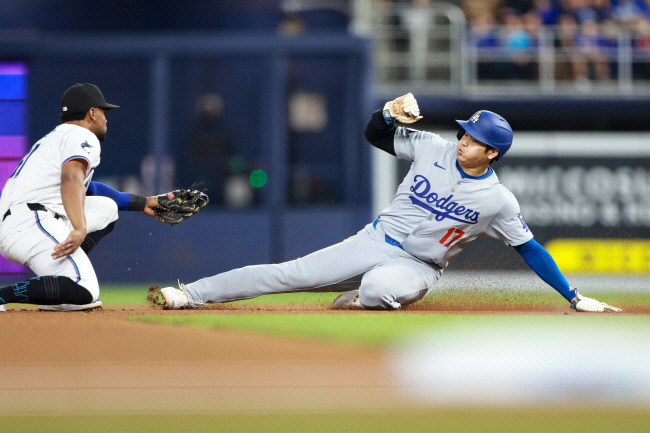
(179,205)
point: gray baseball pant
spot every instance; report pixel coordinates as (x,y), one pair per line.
(390,277)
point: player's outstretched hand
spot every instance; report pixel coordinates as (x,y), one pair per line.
(403,109)
(582,303)
(178,205)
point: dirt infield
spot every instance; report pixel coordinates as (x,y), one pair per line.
(100,362)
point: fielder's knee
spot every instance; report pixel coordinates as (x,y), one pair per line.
(100,212)
(74,293)
(109,209)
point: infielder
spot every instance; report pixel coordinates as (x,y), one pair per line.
(52,214)
(449,197)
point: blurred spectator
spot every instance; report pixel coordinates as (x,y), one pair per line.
(474,9)
(514,37)
(517,44)
(584,31)
(592,63)
(157,175)
(565,44)
(208,150)
(520,7)
(292,25)
(627,13)
(581,10)
(484,36)
(603,9)
(533,24)
(505,35)
(547,11)
(581,48)
(642,44)
(314,15)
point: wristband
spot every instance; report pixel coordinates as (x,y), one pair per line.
(388,118)
(136,203)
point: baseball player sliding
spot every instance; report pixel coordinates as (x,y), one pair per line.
(449,197)
(52,214)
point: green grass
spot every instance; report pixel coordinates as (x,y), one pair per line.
(129,294)
(370,328)
(378,329)
(533,297)
(444,420)
(117,294)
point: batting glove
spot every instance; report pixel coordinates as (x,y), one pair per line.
(582,303)
(403,109)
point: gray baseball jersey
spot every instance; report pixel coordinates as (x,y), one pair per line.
(397,259)
(438,209)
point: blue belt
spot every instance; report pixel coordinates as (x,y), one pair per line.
(388,239)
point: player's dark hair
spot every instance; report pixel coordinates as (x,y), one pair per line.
(460,134)
(66,116)
(486,151)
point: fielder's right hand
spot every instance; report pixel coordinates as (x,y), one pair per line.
(582,303)
(403,109)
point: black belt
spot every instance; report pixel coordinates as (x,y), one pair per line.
(31,206)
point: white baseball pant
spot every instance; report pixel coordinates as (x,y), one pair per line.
(28,237)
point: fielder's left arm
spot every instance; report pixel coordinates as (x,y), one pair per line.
(124,200)
(545,267)
(172,207)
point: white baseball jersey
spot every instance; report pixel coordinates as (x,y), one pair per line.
(28,236)
(437,210)
(37,179)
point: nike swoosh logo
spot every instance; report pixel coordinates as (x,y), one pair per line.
(439,166)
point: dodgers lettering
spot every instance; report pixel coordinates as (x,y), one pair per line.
(443,207)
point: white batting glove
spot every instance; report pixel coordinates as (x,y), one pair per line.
(582,303)
(403,109)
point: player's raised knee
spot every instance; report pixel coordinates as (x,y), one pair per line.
(374,300)
(391,287)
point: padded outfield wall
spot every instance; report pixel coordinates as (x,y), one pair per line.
(306,175)
(573,187)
